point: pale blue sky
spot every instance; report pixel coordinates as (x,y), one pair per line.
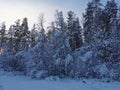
(11,10)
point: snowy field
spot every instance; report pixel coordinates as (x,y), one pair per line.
(10,82)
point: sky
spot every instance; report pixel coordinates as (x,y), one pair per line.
(11,10)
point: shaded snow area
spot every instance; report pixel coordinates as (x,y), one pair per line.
(10,82)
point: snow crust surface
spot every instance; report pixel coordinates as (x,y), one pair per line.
(10,82)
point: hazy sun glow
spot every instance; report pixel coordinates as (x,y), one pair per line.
(11,10)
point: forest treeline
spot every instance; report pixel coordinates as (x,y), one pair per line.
(67,49)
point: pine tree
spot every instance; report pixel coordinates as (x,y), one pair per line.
(59,46)
(110,14)
(88,22)
(3,39)
(39,66)
(25,35)
(21,35)
(92,21)
(59,21)
(74,31)
(34,34)
(11,39)
(51,33)
(16,29)
(62,49)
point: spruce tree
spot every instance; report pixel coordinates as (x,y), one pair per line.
(25,35)
(17,29)
(92,25)
(11,40)
(3,40)
(39,65)
(110,14)
(74,31)
(34,34)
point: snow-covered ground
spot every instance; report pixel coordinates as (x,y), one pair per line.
(10,82)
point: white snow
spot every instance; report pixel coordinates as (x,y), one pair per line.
(103,69)
(86,56)
(10,82)
(68,59)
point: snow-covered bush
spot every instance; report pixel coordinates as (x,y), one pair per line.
(85,62)
(40,65)
(6,62)
(102,70)
(98,60)
(17,62)
(39,74)
(20,61)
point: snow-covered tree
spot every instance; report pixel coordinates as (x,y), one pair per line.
(74,31)
(92,21)
(34,34)
(16,28)
(25,35)
(88,22)
(110,14)
(39,63)
(2,37)
(58,41)
(11,40)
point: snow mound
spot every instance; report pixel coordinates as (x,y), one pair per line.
(53,78)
